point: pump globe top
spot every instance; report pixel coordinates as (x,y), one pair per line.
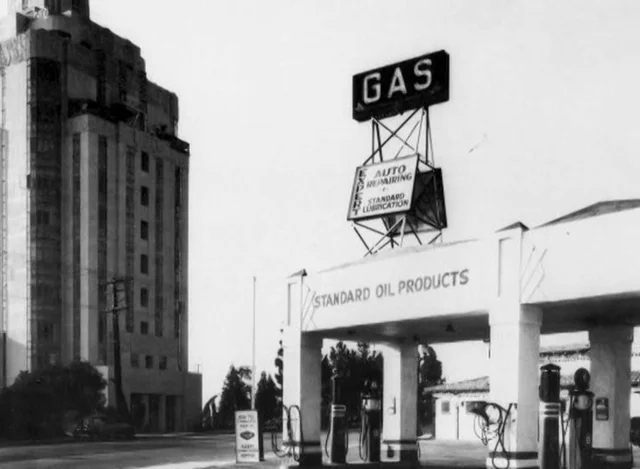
(582,378)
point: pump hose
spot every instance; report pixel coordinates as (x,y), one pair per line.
(326,441)
(483,431)
(500,440)
(363,440)
(346,437)
(291,448)
(565,427)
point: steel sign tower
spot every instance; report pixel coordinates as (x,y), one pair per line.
(398,185)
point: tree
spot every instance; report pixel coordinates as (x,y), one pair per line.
(267,398)
(352,369)
(35,404)
(429,374)
(236,395)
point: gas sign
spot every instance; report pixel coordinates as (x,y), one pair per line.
(391,90)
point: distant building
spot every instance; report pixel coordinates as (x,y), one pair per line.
(454,422)
(94,183)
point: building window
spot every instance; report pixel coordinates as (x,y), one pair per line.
(144,297)
(144,229)
(445,407)
(144,161)
(163,363)
(130,234)
(101,82)
(144,327)
(144,196)
(135,361)
(159,316)
(102,219)
(48,332)
(144,264)
(42,217)
(148,361)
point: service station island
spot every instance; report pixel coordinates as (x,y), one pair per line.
(507,289)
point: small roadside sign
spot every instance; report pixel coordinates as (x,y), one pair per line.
(247,433)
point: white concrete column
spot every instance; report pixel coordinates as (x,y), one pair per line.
(611,379)
(400,403)
(514,375)
(302,394)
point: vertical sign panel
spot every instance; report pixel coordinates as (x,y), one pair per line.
(383,188)
(247,444)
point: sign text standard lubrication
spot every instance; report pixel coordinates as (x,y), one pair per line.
(383,188)
(443,280)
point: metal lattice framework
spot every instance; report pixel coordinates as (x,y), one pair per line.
(411,137)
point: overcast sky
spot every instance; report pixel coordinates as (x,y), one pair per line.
(542,120)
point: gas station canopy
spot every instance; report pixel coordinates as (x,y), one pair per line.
(579,270)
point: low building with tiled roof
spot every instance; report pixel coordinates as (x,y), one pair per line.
(454,422)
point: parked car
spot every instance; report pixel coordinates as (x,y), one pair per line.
(103,427)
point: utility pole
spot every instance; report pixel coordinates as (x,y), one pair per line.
(117,301)
(253,350)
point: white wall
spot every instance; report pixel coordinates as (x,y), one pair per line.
(457,424)
(446,418)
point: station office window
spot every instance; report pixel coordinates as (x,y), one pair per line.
(144,328)
(144,196)
(144,264)
(163,363)
(445,407)
(144,161)
(144,229)
(148,361)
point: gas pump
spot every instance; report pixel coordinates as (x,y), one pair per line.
(549,394)
(580,424)
(370,416)
(338,427)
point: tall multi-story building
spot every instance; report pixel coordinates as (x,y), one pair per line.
(93,186)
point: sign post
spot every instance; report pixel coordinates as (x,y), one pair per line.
(247,433)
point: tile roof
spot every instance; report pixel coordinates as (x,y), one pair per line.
(481,385)
(566,349)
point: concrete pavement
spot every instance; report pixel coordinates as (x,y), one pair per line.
(205,451)
(187,451)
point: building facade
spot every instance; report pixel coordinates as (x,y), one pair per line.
(94,183)
(454,421)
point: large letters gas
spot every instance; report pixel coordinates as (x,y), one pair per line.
(421,80)
(406,85)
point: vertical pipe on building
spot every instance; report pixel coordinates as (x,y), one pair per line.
(3,287)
